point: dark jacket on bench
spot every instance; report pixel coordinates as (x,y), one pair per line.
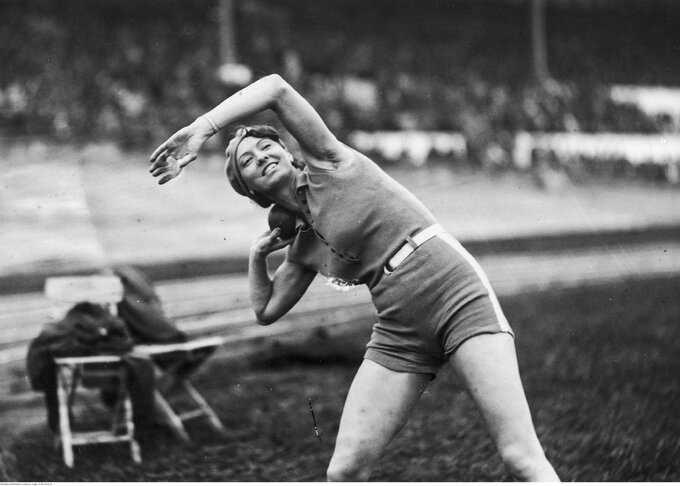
(88,330)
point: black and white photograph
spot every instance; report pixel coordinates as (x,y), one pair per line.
(339,240)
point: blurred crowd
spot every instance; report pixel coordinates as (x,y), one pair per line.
(135,71)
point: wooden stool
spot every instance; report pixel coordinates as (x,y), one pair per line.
(105,290)
(70,375)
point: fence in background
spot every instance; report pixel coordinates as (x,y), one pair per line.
(414,146)
(636,149)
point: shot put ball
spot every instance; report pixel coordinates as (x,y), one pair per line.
(280,217)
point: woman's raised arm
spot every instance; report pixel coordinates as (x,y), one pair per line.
(304,123)
(271,92)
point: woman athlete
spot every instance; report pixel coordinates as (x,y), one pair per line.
(434,303)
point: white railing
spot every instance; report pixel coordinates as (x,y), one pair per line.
(661,149)
(651,100)
(416,146)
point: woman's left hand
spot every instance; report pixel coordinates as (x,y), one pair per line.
(178,151)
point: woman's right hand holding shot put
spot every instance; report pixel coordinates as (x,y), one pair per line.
(268,242)
(273,297)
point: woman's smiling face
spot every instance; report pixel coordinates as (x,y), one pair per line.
(263,163)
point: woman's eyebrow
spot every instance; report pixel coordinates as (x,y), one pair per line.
(258,144)
(243,155)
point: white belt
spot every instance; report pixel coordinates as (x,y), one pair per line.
(412,242)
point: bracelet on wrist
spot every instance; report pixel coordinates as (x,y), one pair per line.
(212,123)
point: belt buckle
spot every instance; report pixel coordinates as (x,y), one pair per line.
(409,242)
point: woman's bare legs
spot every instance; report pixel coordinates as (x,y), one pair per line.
(488,366)
(378,405)
(380,402)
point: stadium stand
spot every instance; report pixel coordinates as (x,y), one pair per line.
(461,67)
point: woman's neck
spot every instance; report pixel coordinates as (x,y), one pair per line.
(284,195)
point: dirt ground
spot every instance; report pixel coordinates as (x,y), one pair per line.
(599,364)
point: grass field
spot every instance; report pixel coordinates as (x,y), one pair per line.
(601,368)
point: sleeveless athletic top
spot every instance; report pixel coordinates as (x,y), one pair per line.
(357,218)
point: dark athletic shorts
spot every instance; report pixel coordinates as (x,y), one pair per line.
(435,299)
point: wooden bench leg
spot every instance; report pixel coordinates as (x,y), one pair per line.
(126,416)
(170,417)
(118,424)
(207,410)
(130,429)
(65,384)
